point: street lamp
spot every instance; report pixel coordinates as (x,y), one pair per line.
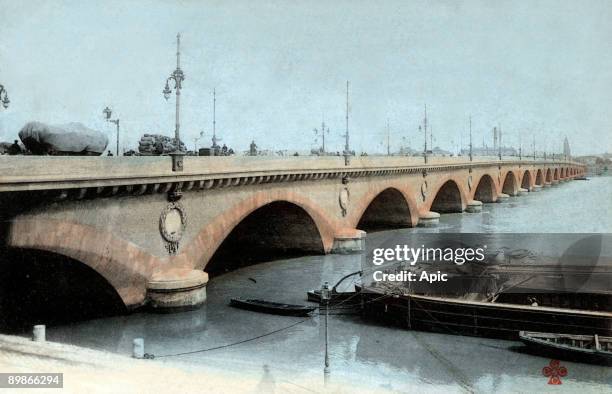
(195,142)
(322,131)
(108,112)
(424,134)
(347,150)
(177,77)
(325,296)
(4,97)
(425,147)
(499,140)
(470,138)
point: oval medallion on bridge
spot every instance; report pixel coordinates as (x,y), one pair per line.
(172,224)
(343,199)
(424,190)
(470,181)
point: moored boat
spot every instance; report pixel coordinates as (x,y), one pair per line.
(480,318)
(274,308)
(591,348)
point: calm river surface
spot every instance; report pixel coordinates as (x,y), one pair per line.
(368,355)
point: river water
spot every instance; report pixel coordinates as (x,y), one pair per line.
(369,356)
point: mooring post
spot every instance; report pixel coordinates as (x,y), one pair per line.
(138,348)
(38,333)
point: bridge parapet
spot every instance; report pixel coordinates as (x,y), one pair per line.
(23,173)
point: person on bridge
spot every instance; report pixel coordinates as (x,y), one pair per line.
(109,153)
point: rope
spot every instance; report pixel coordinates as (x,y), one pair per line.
(152,356)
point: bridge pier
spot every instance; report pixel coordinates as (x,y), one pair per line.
(349,241)
(523,192)
(429,219)
(502,197)
(178,289)
(536,188)
(474,206)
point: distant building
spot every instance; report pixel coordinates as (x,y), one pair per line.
(566,149)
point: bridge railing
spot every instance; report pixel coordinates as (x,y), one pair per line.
(44,172)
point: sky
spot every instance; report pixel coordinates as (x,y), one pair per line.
(540,69)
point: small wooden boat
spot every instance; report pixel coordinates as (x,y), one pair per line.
(274,308)
(592,348)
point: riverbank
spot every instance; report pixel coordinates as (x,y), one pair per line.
(94,371)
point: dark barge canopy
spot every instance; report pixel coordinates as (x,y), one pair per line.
(66,139)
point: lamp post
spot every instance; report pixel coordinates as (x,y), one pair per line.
(424,135)
(4,97)
(108,112)
(322,131)
(178,77)
(195,143)
(347,150)
(500,142)
(470,137)
(325,296)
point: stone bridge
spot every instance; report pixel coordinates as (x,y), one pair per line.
(153,234)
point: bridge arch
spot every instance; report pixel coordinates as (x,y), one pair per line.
(389,209)
(510,184)
(485,190)
(41,286)
(526,182)
(556,174)
(539,178)
(201,249)
(548,175)
(448,198)
(122,264)
(391,188)
(276,229)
